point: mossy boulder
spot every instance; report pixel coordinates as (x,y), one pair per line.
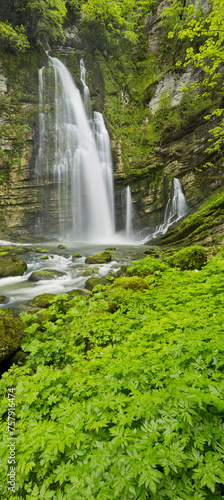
(131,283)
(46,274)
(41,250)
(42,300)
(190,258)
(12,250)
(11,266)
(61,247)
(100,258)
(92,282)
(76,256)
(88,272)
(45,257)
(11,333)
(3,299)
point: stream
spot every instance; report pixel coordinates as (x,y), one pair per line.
(19,291)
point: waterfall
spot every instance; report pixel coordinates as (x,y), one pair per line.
(128,212)
(81,169)
(176,208)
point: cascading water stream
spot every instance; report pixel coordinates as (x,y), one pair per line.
(129,227)
(176,208)
(85,211)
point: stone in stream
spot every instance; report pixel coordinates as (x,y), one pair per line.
(100,258)
(11,266)
(42,300)
(46,274)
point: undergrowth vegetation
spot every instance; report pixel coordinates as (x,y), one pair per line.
(122,393)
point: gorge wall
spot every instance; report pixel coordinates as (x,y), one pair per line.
(157,131)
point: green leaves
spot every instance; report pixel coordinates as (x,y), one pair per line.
(124,405)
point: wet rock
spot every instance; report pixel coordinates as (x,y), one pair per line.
(12,250)
(11,333)
(11,266)
(61,247)
(3,299)
(76,256)
(41,250)
(92,282)
(42,300)
(121,271)
(101,258)
(46,274)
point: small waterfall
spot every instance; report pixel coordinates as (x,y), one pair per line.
(176,208)
(128,213)
(79,171)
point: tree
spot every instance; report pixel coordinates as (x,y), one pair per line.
(45,19)
(13,39)
(206,37)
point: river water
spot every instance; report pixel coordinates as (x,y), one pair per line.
(19,291)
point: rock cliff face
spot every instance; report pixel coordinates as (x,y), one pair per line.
(143,159)
(19,111)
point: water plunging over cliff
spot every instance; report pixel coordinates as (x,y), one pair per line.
(81,169)
(176,208)
(128,213)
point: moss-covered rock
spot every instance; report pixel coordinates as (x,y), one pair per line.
(41,250)
(12,250)
(131,283)
(190,258)
(92,282)
(46,274)
(76,256)
(100,258)
(11,266)
(3,299)
(11,333)
(44,257)
(42,300)
(61,247)
(88,272)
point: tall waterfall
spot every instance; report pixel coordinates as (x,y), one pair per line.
(176,208)
(81,167)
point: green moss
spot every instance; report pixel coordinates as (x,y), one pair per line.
(43,300)
(45,275)
(134,283)
(92,282)
(193,257)
(100,258)
(76,256)
(11,333)
(11,266)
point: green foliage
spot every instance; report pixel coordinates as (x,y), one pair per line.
(126,405)
(147,267)
(13,38)
(204,33)
(190,258)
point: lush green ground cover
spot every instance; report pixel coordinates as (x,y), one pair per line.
(122,394)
